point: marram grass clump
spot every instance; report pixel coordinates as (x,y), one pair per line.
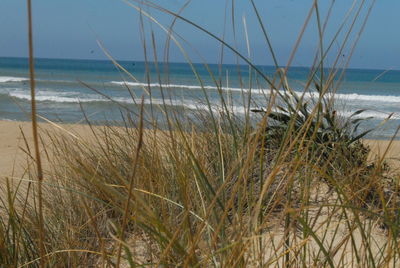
(194,203)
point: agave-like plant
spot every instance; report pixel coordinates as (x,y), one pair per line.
(325,125)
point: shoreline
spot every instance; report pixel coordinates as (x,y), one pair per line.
(13,158)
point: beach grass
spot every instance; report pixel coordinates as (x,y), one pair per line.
(290,184)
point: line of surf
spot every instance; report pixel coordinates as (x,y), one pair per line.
(63,97)
(7,79)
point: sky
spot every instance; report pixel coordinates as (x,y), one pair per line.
(71,29)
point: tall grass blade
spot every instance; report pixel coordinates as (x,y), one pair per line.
(35,135)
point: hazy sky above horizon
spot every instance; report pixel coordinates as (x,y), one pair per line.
(70,28)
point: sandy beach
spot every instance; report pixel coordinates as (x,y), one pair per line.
(13,156)
(13,148)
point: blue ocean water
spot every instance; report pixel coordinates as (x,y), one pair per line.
(70,90)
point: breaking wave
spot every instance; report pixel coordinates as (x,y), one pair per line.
(6,79)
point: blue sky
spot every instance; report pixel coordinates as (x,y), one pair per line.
(70,28)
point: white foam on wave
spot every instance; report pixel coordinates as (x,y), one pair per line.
(6,79)
(355,97)
(137,84)
(308,95)
(369,98)
(75,97)
(371,114)
(61,97)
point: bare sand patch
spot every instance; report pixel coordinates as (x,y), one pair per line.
(16,139)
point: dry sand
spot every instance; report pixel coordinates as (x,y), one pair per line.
(13,159)
(13,148)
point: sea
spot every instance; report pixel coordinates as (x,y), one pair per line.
(101,91)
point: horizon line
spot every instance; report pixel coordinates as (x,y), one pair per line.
(202,63)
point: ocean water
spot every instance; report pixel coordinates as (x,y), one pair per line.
(72,90)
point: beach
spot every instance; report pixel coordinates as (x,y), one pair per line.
(13,157)
(200,134)
(13,149)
